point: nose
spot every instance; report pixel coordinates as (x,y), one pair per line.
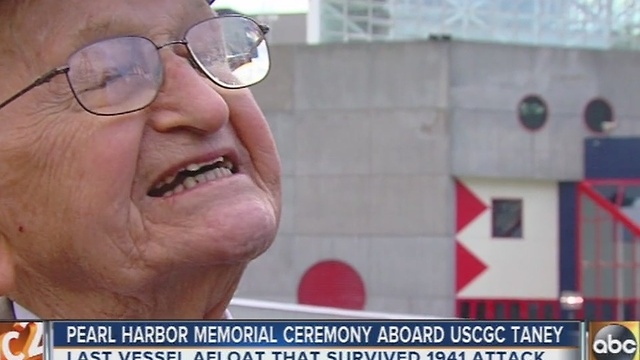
(187,100)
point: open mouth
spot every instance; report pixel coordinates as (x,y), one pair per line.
(193,175)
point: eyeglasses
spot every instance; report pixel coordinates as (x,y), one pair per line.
(124,74)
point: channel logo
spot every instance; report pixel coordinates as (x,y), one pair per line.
(21,340)
(614,341)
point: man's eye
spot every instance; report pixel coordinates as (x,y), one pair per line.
(112,75)
(107,77)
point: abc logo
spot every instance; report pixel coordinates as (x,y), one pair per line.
(614,342)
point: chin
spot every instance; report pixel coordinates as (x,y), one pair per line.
(236,233)
(225,222)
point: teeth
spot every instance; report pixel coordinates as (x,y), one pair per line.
(219,173)
(196,167)
(211,175)
(224,170)
(190,183)
(201,178)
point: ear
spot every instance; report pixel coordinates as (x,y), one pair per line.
(7,273)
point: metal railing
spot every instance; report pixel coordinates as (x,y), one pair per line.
(259,309)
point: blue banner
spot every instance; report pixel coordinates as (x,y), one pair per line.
(334,334)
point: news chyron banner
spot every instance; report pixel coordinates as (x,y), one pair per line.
(316,340)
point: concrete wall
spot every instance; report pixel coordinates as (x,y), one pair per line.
(371,135)
(285,28)
(488,81)
(363,135)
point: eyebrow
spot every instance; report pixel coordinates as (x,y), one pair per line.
(97,27)
(107,27)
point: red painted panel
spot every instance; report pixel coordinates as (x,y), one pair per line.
(468,206)
(510,309)
(468,267)
(332,283)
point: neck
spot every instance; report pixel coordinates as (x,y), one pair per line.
(196,295)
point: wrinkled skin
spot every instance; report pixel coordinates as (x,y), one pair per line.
(79,236)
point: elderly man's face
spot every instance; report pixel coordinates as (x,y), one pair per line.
(79,220)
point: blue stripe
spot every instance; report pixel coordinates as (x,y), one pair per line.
(610,158)
(568,195)
(270,334)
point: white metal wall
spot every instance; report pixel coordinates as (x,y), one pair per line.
(523,268)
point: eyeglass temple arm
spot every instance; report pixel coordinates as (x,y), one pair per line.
(265,30)
(41,80)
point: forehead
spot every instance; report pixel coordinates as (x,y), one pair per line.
(53,29)
(141,17)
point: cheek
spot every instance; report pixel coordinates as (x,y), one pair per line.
(75,174)
(255,134)
(106,163)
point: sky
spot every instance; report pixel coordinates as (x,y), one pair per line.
(254,7)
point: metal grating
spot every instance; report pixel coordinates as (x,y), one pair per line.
(601,24)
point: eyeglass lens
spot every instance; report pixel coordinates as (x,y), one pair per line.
(235,56)
(124,74)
